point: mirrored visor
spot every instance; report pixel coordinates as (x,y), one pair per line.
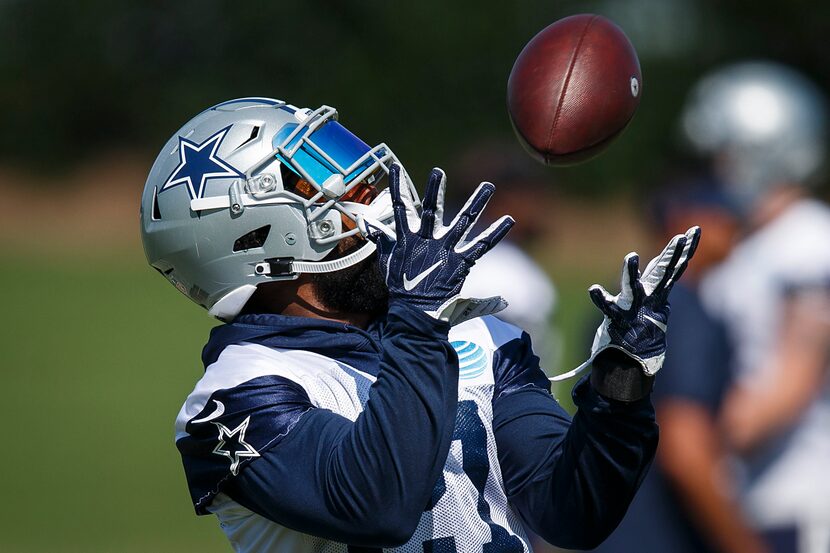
(330,149)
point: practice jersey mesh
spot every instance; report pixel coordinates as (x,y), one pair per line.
(468,511)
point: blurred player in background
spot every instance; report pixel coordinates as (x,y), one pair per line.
(762,125)
(687,502)
(509,270)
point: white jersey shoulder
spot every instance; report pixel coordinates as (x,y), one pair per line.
(797,240)
(476,341)
(747,290)
(328,383)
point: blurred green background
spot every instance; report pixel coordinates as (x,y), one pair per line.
(97,353)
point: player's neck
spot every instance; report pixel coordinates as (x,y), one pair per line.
(297,298)
(310,306)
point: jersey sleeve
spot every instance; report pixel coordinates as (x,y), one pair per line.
(236,425)
(362,482)
(570,480)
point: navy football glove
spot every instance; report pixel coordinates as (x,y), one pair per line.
(426,262)
(636,319)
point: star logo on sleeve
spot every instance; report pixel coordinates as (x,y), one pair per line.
(198,163)
(232,444)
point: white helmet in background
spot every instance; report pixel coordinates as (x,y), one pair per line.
(762,124)
(256,190)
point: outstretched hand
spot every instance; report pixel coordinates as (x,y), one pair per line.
(425,261)
(637,318)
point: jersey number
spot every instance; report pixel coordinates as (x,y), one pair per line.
(469,429)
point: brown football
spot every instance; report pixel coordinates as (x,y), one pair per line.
(573,88)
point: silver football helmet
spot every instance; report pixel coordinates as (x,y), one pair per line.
(256,190)
(762,124)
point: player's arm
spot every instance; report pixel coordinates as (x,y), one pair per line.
(770,404)
(692,456)
(572,481)
(367,482)
(692,453)
(362,482)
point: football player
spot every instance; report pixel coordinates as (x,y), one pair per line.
(354,401)
(763,125)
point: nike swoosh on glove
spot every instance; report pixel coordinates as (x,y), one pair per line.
(636,319)
(426,262)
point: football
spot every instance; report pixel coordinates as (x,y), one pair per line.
(573,89)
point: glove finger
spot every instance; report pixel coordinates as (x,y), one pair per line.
(439,206)
(656,268)
(629,280)
(469,214)
(663,286)
(433,195)
(638,293)
(604,301)
(488,238)
(403,206)
(398,207)
(667,252)
(692,240)
(408,196)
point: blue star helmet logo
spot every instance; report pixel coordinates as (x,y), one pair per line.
(198,163)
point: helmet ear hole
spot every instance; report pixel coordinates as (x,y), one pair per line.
(156,210)
(254,239)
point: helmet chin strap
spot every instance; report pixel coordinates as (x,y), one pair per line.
(282,266)
(353,258)
(229,306)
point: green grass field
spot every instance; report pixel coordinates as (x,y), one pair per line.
(97,357)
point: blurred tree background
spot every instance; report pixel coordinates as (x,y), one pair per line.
(97,352)
(78,79)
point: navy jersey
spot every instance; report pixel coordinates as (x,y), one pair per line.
(308,435)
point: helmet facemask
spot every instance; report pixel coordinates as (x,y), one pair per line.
(340,169)
(320,166)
